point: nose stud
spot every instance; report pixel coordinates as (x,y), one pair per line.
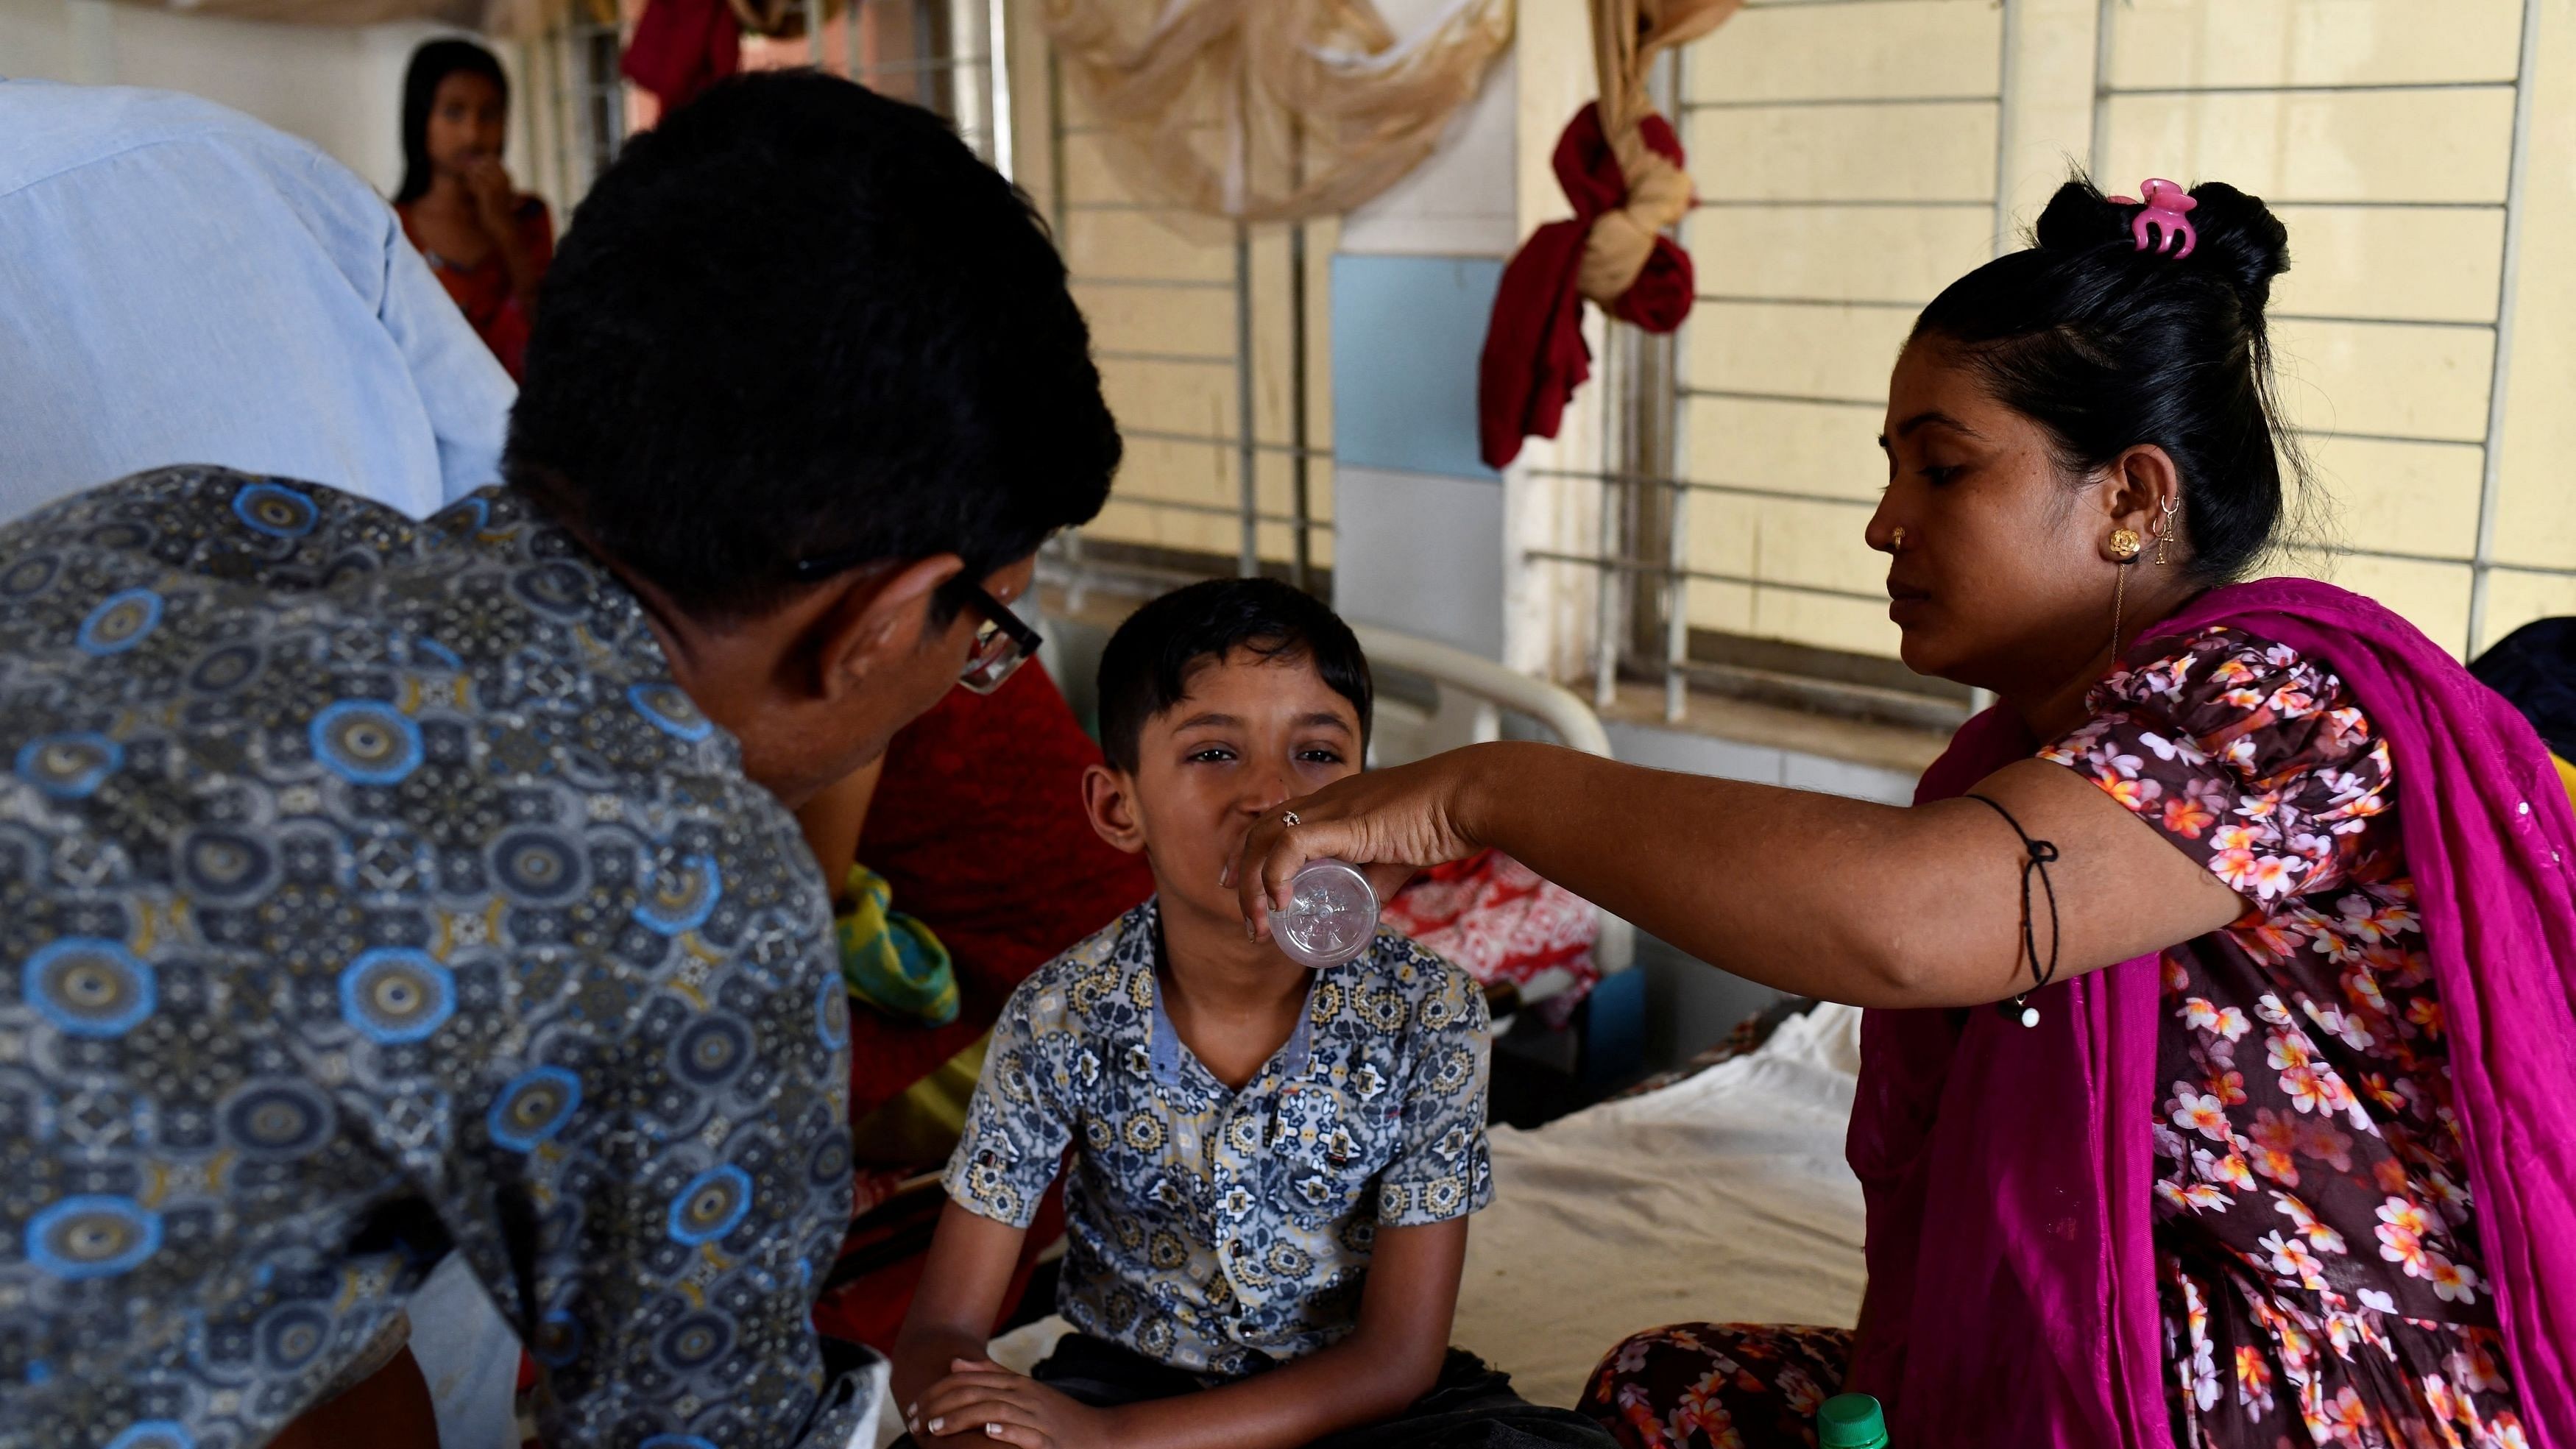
(1897,542)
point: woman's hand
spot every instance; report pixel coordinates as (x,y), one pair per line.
(981,1400)
(1390,822)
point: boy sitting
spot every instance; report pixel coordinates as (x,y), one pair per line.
(1272,1166)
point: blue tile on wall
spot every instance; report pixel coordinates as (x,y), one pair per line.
(1406,335)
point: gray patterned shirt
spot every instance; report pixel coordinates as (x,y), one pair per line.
(369,891)
(1208,1227)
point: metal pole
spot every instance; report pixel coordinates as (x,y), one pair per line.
(2004,118)
(1657,451)
(1059,191)
(1248,559)
(997,69)
(1606,622)
(1979,700)
(2104,37)
(814,33)
(1301,500)
(2491,477)
(851,59)
(556,87)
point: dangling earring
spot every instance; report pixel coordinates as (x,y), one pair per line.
(2125,546)
(2164,536)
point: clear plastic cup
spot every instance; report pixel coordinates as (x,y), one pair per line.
(1331,917)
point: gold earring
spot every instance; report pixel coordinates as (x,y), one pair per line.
(2164,536)
(2119,599)
(2125,544)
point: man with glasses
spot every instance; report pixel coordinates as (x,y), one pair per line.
(373,890)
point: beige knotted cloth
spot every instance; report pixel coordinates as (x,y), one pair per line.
(1626,34)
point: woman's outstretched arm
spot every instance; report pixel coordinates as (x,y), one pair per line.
(1876,905)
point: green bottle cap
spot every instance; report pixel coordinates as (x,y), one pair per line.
(1851,1421)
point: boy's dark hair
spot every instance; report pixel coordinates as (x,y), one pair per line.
(1147,666)
(800,321)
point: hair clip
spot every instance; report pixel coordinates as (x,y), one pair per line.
(2165,205)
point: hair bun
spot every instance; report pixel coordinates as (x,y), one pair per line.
(2238,237)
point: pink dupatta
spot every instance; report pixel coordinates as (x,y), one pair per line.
(2008,1171)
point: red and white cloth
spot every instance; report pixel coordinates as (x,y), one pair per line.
(1498,919)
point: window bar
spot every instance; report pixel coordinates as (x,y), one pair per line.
(1059,191)
(1165,435)
(1657,568)
(2491,476)
(853,65)
(997,84)
(1662,451)
(814,34)
(1300,475)
(2104,37)
(1606,624)
(1248,559)
(2006,113)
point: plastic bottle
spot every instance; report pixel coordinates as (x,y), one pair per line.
(1331,917)
(1851,1421)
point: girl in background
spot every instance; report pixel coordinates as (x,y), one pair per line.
(486,242)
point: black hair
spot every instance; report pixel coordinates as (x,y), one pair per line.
(435,61)
(1147,667)
(2108,346)
(799,321)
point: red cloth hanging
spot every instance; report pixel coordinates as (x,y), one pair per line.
(681,47)
(1535,356)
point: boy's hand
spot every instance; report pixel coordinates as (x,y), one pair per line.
(981,1399)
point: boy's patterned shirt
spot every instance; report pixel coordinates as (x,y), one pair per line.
(1212,1228)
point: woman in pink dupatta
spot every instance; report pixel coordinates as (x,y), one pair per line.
(2219,1082)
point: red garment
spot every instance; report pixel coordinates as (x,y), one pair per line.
(1535,355)
(979,830)
(483,291)
(681,47)
(1502,922)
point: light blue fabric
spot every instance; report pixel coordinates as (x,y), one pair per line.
(182,284)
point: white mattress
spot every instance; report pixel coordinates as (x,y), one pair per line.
(1720,1199)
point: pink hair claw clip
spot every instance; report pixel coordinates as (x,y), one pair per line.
(2165,205)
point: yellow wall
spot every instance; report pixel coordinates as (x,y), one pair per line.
(1159,287)
(2383,326)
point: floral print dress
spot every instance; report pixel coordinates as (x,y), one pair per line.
(2322,1278)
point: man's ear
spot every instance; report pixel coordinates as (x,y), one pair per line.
(1109,798)
(879,618)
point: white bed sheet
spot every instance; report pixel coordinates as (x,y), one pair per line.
(1723,1198)
(1719,1199)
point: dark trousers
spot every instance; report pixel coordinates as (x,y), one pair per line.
(1471,1406)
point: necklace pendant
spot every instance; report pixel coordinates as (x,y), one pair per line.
(2030,1016)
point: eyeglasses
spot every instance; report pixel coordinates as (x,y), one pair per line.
(1002,644)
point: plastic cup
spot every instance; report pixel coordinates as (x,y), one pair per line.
(1331,917)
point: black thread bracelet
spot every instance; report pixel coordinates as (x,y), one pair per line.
(2038,855)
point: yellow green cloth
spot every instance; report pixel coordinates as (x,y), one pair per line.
(890,960)
(2566,777)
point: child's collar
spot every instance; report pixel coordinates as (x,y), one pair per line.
(1163,1045)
